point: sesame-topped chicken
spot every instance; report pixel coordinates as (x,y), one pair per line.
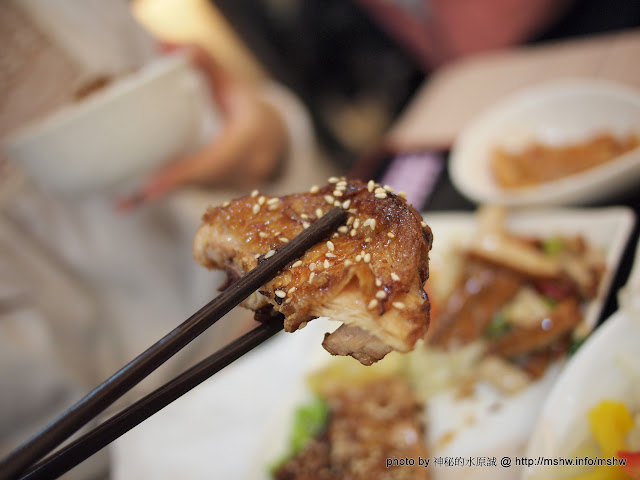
(369,275)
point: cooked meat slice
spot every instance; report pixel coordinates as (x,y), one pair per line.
(563,318)
(358,343)
(369,275)
(482,291)
(369,422)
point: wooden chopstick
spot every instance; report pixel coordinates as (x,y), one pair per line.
(135,371)
(91,442)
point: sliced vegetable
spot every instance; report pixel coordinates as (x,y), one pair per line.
(309,420)
(553,245)
(499,326)
(632,465)
(609,422)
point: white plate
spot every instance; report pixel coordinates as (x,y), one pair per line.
(607,366)
(558,113)
(236,423)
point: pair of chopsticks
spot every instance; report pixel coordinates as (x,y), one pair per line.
(21,463)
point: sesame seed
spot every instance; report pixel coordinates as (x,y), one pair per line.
(353,232)
(381,195)
(318,212)
(331,246)
(424,224)
(356,223)
(367,240)
(372,304)
(304,216)
(313,274)
(329,199)
(366,222)
(358,257)
(261,200)
(226,204)
(398,305)
(335,235)
(333,180)
(380,190)
(346,204)
(283,239)
(288,300)
(390,235)
(350,220)
(305,225)
(347,262)
(362,252)
(270,254)
(326,264)
(336,203)
(273,201)
(367,258)
(330,255)
(312,266)
(342,183)
(291,290)
(314,189)
(262,235)
(373,224)
(381,294)
(297,264)
(343,229)
(256,208)
(402,194)
(281,293)
(273,206)
(378,282)
(337,193)
(254,193)
(371,185)
(395,277)
(388,188)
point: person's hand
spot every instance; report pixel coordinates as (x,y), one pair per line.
(247,150)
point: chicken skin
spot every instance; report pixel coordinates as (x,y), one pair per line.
(369,275)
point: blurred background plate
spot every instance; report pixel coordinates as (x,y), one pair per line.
(560,112)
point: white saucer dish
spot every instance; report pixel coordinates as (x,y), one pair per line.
(557,113)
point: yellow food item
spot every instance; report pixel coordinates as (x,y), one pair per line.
(609,422)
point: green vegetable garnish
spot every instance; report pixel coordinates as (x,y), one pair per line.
(499,326)
(308,421)
(575,344)
(553,245)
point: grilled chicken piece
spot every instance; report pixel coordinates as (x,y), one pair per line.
(369,275)
(370,424)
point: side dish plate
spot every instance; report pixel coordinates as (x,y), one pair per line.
(557,113)
(237,423)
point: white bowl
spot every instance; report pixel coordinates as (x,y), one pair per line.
(560,112)
(118,134)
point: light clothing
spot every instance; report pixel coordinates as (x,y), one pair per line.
(84,289)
